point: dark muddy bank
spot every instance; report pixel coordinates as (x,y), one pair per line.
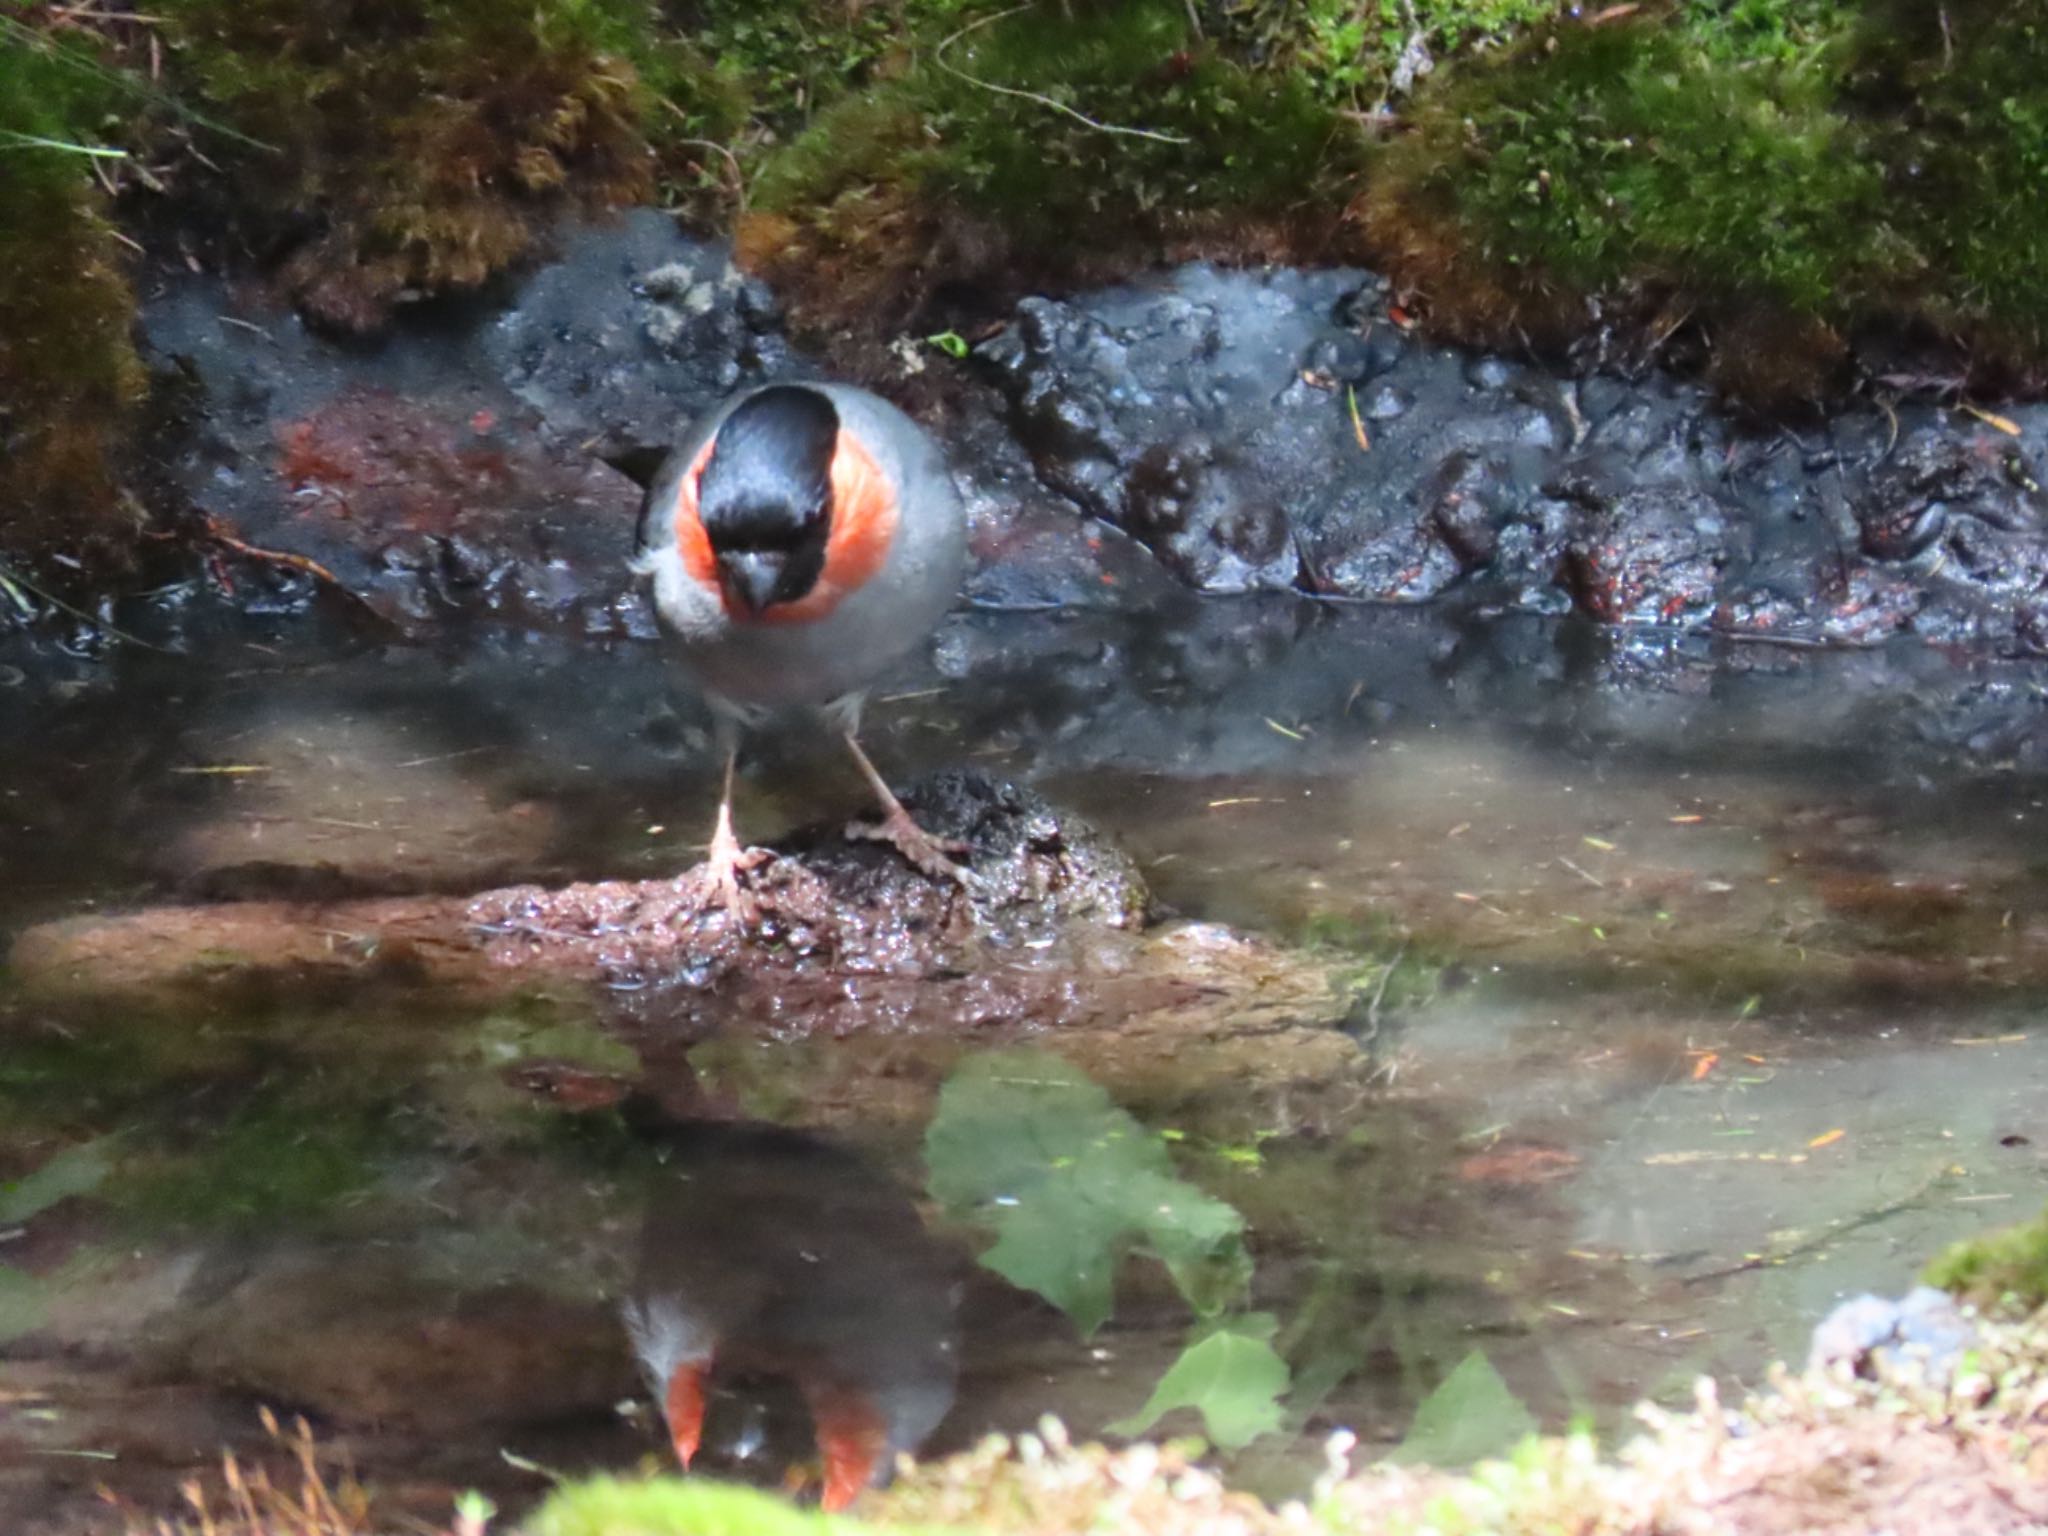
(1222,431)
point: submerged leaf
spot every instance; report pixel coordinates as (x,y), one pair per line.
(76,1170)
(21,1303)
(1471,1414)
(1029,1147)
(1232,1377)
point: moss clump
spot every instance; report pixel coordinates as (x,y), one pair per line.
(1354,52)
(2008,1267)
(1792,172)
(1040,146)
(68,370)
(277,1158)
(671,1506)
(419,146)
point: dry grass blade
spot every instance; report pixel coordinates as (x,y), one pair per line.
(248,1503)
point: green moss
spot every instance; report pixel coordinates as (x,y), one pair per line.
(68,370)
(1825,165)
(983,162)
(1349,51)
(2008,1267)
(280,1156)
(670,1506)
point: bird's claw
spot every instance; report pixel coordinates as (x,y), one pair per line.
(934,856)
(723,865)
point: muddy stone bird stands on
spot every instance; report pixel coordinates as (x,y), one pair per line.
(802,538)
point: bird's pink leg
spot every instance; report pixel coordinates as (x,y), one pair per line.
(725,858)
(926,852)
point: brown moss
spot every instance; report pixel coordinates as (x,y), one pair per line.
(1464,292)
(416,147)
(69,376)
(1771,358)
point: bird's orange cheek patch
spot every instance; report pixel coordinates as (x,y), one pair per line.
(692,542)
(864,518)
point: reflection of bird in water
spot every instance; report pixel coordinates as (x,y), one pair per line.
(801,538)
(772,1254)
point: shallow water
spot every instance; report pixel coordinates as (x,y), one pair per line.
(1687,1007)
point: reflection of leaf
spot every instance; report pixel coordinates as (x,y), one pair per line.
(1232,1378)
(74,1171)
(1029,1147)
(1471,1414)
(21,1303)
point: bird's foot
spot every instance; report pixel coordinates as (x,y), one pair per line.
(724,862)
(933,855)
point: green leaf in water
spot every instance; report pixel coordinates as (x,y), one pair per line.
(1028,1146)
(76,1170)
(1471,1414)
(1231,1376)
(21,1303)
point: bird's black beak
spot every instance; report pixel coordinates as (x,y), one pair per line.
(752,575)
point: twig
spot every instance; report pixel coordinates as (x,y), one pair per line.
(739,179)
(300,563)
(1839,1227)
(1590,878)
(939,58)
(13,578)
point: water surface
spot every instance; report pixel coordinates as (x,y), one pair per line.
(1685,1006)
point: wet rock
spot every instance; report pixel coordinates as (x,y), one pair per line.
(1262,430)
(454,466)
(1228,432)
(1924,1332)
(634,331)
(1935,477)
(1649,556)
(462,463)
(367,1335)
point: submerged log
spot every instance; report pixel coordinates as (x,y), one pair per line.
(1053,943)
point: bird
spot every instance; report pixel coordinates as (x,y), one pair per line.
(800,539)
(772,1255)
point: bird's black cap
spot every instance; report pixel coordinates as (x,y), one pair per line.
(766,495)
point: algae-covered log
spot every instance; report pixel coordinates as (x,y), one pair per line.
(854,946)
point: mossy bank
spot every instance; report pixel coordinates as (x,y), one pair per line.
(1799,196)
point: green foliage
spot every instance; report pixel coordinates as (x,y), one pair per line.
(1025,1145)
(670,1506)
(1230,1375)
(2008,1267)
(23,1300)
(1347,51)
(787,57)
(1470,1414)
